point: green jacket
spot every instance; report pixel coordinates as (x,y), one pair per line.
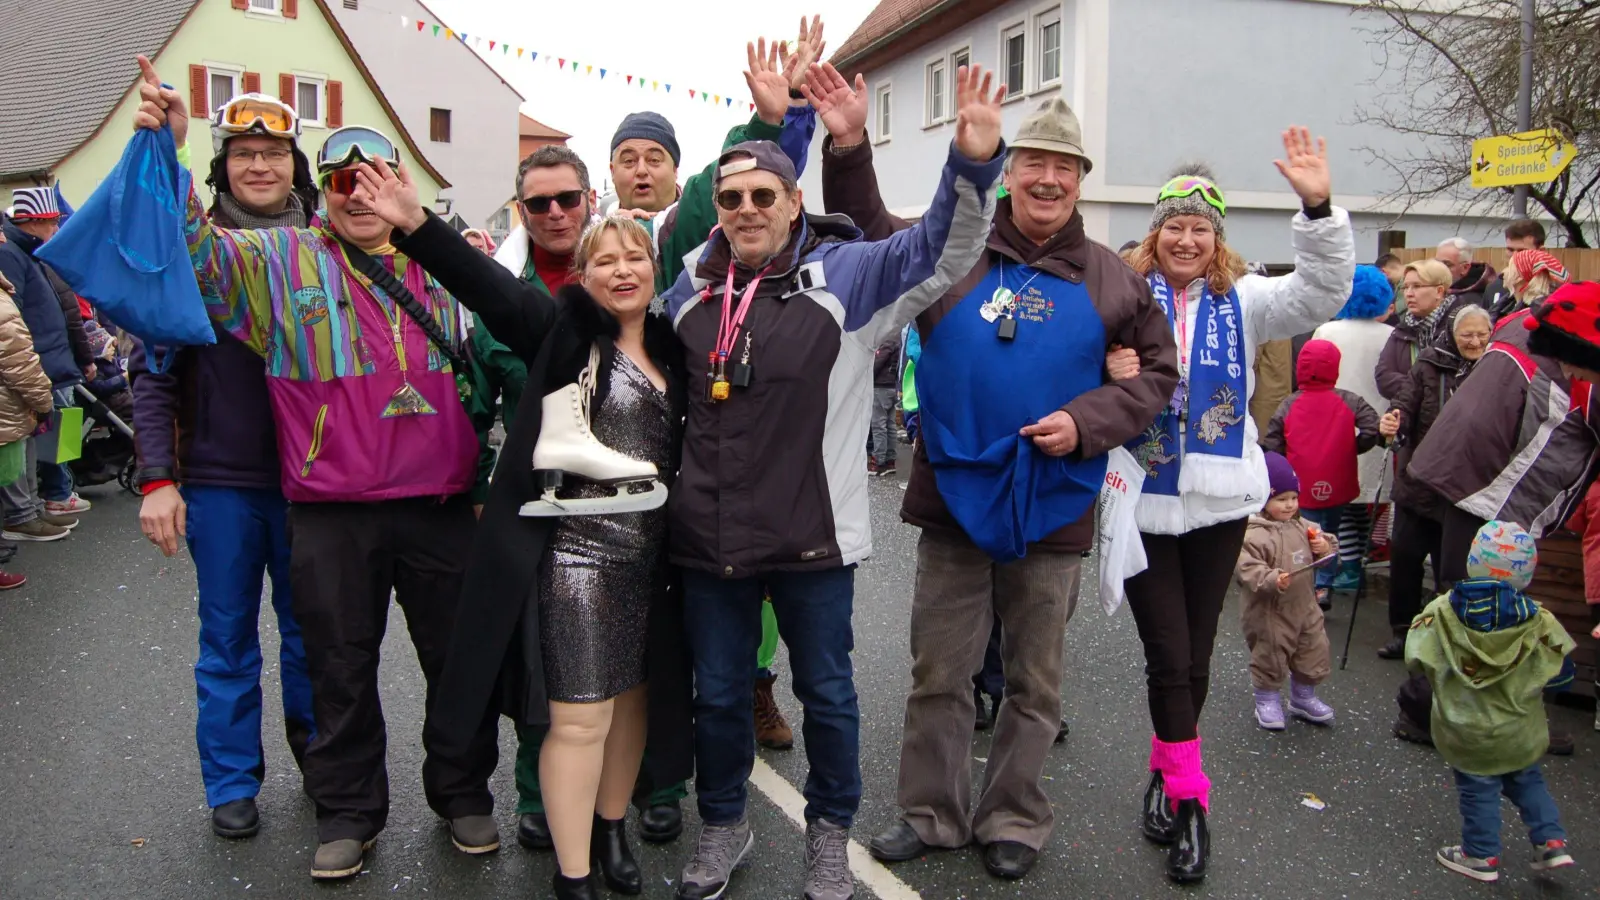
(690,221)
(498,374)
(1488,674)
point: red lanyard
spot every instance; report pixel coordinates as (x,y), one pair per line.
(728,332)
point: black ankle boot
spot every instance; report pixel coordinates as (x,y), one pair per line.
(1187,860)
(564,888)
(609,853)
(1159,825)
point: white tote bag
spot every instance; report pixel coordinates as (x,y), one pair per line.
(1121,551)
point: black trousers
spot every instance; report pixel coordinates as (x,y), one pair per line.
(1176,603)
(346,558)
(1416,537)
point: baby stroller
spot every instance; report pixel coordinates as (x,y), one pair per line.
(108,451)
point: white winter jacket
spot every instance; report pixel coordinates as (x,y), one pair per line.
(1271,309)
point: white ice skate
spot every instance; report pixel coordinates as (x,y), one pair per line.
(568,451)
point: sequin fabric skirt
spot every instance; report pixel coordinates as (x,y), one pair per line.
(593,615)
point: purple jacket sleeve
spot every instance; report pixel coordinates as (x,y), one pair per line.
(155,414)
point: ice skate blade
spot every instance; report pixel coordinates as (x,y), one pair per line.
(644,501)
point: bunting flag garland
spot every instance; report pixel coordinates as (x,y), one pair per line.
(560,62)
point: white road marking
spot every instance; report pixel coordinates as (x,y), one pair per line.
(869,872)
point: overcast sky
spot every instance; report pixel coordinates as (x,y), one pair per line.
(690,44)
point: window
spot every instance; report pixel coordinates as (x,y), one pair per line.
(935,90)
(1049,32)
(308,95)
(439,125)
(883,112)
(224,87)
(962,57)
(264,6)
(1013,43)
(351,4)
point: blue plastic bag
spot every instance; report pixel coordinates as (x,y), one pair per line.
(124,249)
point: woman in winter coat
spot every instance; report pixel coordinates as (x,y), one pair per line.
(1205,473)
(1425,318)
(1361,331)
(24,393)
(1418,510)
(566,617)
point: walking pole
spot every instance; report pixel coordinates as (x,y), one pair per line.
(1366,552)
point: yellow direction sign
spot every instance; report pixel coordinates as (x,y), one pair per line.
(1531,157)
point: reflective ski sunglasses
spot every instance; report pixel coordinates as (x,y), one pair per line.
(1184,185)
(257,112)
(731,200)
(539,204)
(357,143)
(341,181)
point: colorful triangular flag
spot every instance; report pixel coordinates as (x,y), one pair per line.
(563,61)
(519,53)
(588,70)
(447,32)
(463,36)
(421,24)
(602,74)
(654,85)
(719,98)
(534,57)
(669,88)
(691,93)
(404,21)
(729,104)
(630,81)
(491,45)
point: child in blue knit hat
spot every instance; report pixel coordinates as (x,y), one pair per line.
(1490,652)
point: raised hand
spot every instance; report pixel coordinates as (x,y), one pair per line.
(806,52)
(1305,166)
(768,87)
(977,113)
(392,196)
(843,110)
(160,106)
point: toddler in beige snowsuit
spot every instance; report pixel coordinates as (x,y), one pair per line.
(1281,620)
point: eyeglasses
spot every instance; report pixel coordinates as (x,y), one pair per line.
(275,156)
(539,204)
(356,143)
(257,112)
(341,181)
(732,200)
(1185,185)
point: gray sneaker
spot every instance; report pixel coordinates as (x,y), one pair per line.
(35,530)
(339,859)
(67,522)
(827,862)
(720,850)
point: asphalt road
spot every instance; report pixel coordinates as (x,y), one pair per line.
(100,791)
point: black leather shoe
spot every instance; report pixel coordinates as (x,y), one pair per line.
(1009,859)
(661,823)
(1186,862)
(533,832)
(236,819)
(1395,649)
(898,844)
(1061,733)
(1159,824)
(982,719)
(610,855)
(565,888)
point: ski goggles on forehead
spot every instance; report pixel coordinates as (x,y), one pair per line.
(257,112)
(1185,185)
(348,146)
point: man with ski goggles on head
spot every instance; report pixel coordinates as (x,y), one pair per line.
(223,453)
(378,456)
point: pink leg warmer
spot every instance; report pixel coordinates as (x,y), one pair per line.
(1179,765)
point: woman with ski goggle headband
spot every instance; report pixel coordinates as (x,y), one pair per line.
(1204,472)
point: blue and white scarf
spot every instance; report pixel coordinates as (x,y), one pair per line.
(1198,442)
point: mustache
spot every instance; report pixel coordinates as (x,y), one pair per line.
(1047,192)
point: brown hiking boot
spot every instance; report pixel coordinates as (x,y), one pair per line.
(772,732)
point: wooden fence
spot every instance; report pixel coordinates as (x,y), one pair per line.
(1582,265)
